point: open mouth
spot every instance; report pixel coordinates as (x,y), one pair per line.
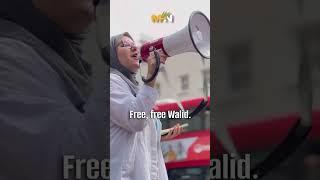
(135,56)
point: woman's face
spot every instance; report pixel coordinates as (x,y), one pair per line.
(128,54)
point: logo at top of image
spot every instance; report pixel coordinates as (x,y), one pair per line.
(164,17)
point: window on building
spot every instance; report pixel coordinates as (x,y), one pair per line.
(184,79)
(240,66)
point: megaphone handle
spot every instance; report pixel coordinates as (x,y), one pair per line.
(155,73)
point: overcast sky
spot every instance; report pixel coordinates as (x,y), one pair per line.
(134,16)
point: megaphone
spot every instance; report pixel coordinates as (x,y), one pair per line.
(195,37)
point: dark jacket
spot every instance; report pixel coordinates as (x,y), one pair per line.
(44,114)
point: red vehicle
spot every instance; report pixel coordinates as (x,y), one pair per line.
(188,155)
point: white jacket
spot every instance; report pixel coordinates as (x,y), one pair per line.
(135,151)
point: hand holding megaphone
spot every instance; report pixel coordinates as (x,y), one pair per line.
(195,37)
(152,64)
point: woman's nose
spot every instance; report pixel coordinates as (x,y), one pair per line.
(134,48)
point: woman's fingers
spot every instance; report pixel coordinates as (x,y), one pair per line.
(182,129)
(151,63)
(163,60)
(174,132)
(163,56)
(179,129)
(170,133)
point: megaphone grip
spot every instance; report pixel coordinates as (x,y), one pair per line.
(155,73)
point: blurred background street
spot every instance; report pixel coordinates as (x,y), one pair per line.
(258,50)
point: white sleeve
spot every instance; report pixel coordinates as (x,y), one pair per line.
(122,102)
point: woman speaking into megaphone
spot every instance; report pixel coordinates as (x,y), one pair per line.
(135,149)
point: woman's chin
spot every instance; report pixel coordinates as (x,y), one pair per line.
(136,65)
(135,68)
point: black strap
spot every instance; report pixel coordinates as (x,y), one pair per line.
(199,108)
(295,137)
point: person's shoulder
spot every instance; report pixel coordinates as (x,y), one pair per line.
(22,61)
(14,49)
(22,56)
(11,43)
(117,83)
(115,78)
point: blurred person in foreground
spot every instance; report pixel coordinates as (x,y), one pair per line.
(135,148)
(44,88)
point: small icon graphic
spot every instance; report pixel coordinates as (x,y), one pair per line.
(165,17)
